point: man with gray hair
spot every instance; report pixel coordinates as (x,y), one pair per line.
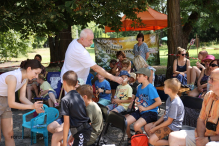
(78,59)
(207,129)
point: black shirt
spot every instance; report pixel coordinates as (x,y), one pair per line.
(73,105)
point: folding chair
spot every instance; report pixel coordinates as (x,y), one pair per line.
(118,121)
(54,79)
(192,105)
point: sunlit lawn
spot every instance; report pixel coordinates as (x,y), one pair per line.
(45,53)
(192,53)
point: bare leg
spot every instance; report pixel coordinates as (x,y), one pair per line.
(130,119)
(189,75)
(35,88)
(194,93)
(29,92)
(52,97)
(154,140)
(7,130)
(57,138)
(55,127)
(50,103)
(195,73)
(177,138)
(138,124)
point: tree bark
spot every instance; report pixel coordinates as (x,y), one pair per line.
(59,45)
(175,33)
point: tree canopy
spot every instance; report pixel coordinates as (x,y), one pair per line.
(50,16)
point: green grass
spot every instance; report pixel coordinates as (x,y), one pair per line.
(192,53)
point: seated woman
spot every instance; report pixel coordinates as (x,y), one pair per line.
(194,72)
(202,81)
(180,66)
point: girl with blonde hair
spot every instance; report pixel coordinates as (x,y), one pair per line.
(180,66)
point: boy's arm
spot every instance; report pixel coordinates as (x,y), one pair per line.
(159,121)
(154,105)
(164,124)
(65,129)
(123,101)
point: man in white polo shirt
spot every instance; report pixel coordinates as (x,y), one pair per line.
(78,59)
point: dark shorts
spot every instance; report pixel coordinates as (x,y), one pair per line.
(60,120)
(113,85)
(147,116)
(82,137)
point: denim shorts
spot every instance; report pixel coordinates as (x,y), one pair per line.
(60,120)
(115,106)
(104,102)
(47,96)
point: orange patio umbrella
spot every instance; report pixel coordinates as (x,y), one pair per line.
(152,19)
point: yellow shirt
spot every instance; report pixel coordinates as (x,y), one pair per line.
(45,86)
(124,93)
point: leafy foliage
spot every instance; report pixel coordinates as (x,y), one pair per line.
(49,16)
(11,45)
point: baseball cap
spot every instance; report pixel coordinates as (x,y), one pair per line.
(144,71)
(133,75)
(124,72)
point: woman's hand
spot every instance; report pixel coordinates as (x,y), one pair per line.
(182,73)
(38,106)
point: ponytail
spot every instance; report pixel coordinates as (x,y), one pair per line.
(33,63)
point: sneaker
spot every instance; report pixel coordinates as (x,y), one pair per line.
(56,104)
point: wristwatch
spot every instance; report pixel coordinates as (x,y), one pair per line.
(104,91)
(209,138)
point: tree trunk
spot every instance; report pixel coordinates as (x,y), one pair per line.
(59,45)
(174,34)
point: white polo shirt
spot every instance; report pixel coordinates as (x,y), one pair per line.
(78,59)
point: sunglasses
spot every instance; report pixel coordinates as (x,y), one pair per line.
(183,54)
(213,65)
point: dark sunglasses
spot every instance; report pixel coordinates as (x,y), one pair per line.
(213,65)
(183,54)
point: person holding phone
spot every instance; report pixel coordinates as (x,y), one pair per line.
(10,82)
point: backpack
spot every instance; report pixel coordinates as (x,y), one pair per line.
(139,140)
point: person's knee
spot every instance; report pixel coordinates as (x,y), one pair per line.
(137,126)
(173,137)
(152,140)
(9,135)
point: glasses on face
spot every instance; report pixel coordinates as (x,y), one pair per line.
(183,54)
(213,65)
